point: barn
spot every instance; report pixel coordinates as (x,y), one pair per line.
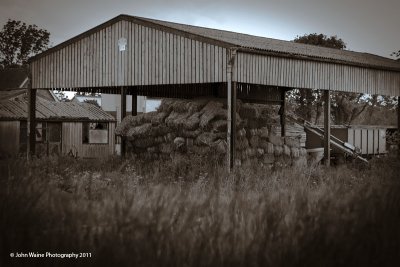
(137,56)
(79,129)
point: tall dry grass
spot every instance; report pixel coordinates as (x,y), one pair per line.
(179,213)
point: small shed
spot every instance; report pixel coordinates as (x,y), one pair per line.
(79,129)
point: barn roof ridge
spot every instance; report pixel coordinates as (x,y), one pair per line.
(247,43)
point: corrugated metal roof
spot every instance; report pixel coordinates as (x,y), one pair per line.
(280,46)
(16,109)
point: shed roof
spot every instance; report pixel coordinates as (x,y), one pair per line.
(251,43)
(16,109)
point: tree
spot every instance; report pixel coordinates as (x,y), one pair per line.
(396,54)
(19,41)
(310,100)
(321,40)
(345,107)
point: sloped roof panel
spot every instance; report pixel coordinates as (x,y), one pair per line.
(16,109)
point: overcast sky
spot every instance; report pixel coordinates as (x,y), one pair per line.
(371,26)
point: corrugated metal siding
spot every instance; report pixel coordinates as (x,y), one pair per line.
(72,139)
(295,73)
(9,138)
(151,57)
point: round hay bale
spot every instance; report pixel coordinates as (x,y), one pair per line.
(278,150)
(295,152)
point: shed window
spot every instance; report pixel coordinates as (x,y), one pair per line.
(95,133)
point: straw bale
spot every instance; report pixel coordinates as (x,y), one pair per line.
(159,118)
(138,131)
(250,152)
(292,141)
(158,130)
(268,159)
(191,122)
(278,150)
(152,149)
(260,152)
(179,142)
(177,120)
(189,143)
(248,111)
(295,152)
(276,140)
(268,147)
(286,150)
(210,111)
(220,146)
(263,132)
(255,141)
(241,132)
(190,134)
(169,137)
(219,126)
(144,142)
(242,143)
(166,148)
(201,150)
(206,139)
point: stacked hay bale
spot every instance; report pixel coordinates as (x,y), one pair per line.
(199,127)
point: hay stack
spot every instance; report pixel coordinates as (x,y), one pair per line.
(199,126)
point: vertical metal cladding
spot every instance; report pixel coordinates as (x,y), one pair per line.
(152,57)
(156,57)
(298,73)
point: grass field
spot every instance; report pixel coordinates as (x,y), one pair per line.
(179,213)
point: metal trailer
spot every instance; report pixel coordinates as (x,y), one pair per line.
(367,140)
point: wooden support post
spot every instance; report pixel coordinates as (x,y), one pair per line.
(231,116)
(233,125)
(123,115)
(398,115)
(282,113)
(31,122)
(134,102)
(327,128)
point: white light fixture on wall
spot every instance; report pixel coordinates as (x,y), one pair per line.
(122,42)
